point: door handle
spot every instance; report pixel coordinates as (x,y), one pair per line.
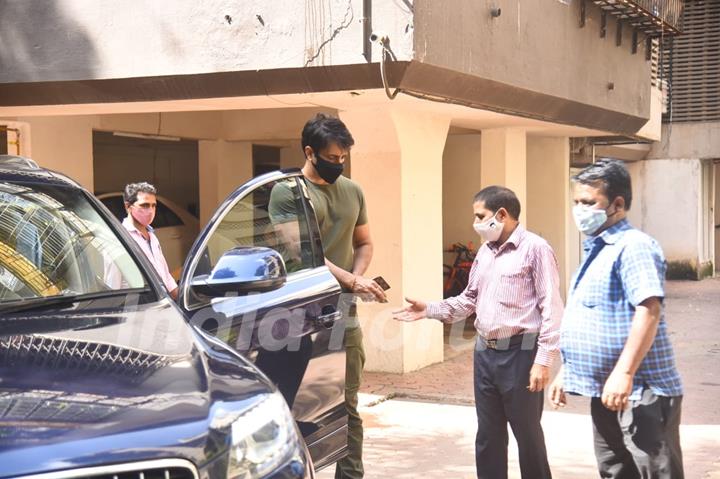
(327,320)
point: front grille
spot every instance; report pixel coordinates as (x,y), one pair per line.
(158,469)
(90,357)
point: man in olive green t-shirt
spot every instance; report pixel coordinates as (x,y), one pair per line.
(339,205)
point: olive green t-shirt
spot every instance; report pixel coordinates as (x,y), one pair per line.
(339,208)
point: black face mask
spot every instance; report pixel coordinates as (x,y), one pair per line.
(328,170)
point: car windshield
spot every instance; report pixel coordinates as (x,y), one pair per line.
(54,243)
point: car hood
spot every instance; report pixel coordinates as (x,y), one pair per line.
(87,388)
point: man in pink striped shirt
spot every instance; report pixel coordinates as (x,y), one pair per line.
(514,290)
(141,204)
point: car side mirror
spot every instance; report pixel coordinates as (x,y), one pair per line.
(243,269)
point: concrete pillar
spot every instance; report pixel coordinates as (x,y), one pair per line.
(223,166)
(461,180)
(503,161)
(397,159)
(292,156)
(549,202)
(61,143)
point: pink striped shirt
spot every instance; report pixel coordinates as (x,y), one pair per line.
(513,289)
(153,252)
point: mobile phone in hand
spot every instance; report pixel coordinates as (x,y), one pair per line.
(382,283)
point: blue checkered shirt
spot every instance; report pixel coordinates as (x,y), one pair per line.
(621,268)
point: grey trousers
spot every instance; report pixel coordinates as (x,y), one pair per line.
(501,378)
(642,441)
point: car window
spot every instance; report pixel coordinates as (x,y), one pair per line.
(272,215)
(164,217)
(253,221)
(53,242)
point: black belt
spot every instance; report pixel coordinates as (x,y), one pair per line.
(529,339)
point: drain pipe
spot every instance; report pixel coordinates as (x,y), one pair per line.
(367,30)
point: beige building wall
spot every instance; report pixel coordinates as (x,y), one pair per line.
(191,125)
(278,124)
(668,205)
(549,199)
(397,159)
(71,39)
(461,181)
(686,147)
(504,161)
(291,156)
(63,144)
(539,47)
(699,140)
(223,166)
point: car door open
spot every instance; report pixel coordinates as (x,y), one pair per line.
(256,278)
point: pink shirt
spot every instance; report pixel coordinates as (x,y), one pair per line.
(513,289)
(153,252)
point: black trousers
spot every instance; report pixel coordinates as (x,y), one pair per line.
(642,441)
(501,378)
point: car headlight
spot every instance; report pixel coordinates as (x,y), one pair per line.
(262,439)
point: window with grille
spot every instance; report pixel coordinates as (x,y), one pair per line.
(691,65)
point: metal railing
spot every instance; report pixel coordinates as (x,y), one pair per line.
(652,17)
(667,11)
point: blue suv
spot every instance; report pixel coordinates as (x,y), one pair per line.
(103,375)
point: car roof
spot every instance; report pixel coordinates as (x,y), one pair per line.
(20,169)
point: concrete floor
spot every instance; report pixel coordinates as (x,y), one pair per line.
(423,423)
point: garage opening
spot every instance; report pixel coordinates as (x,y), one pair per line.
(171,165)
(265,159)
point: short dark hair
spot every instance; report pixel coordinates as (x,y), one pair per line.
(610,175)
(496,197)
(130,193)
(323,130)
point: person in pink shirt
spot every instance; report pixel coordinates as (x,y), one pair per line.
(514,291)
(141,204)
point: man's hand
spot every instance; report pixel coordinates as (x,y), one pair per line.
(557,393)
(368,290)
(416,310)
(617,390)
(539,377)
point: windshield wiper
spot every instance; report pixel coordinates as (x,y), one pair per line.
(47,302)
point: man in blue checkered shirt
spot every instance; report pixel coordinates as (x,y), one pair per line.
(614,339)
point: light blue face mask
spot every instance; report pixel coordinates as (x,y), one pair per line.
(588,219)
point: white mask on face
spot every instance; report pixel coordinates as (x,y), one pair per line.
(589,219)
(490,230)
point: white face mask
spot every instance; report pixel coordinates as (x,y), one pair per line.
(589,219)
(490,230)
